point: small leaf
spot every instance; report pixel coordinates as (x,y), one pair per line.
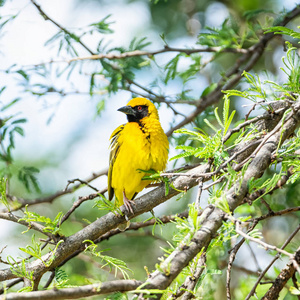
(209,89)
(218,118)
(19,121)
(100,107)
(10,104)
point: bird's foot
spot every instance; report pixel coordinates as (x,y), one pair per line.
(128,204)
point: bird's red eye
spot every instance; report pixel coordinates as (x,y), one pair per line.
(139,108)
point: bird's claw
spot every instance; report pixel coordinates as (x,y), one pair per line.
(128,205)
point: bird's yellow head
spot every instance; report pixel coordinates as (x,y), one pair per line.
(138,109)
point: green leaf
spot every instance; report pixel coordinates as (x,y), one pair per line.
(171,68)
(61,278)
(253,14)
(227,121)
(23,74)
(34,250)
(211,125)
(5,107)
(19,130)
(284,30)
(3,197)
(294,291)
(100,107)
(19,269)
(105,204)
(209,89)
(111,262)
(27,176)
(50,226)
(103,26)
(23,120)
(218,118)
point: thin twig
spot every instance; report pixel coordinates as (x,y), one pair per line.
(10,284)
(207,186)
(72,35)
(262,274)
(266,246)
(82,182)
(30,225)
(231,259)
(50,279)
(79,202)
(112,56)
(249,112)
(260,242)
(199,193)
(246,123)
(51,198)
(254,258)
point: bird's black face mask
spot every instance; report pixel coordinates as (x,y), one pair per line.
(136,113)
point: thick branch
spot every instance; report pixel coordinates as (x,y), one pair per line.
(104,224)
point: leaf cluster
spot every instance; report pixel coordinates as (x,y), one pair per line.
(10,127)
(211,146)
(111,262)
(118,72)
(52,226)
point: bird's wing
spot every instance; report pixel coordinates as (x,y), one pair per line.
(114,150)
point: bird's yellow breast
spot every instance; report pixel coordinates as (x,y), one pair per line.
(141,146)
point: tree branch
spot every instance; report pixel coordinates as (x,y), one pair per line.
(262,274)
(212,217)
(286,273)
(164,50)
(265,245)
(72,35)
(51,198)
(231,259)
(77,292)
(30,225)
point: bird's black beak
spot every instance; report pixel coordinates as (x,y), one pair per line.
(128,110)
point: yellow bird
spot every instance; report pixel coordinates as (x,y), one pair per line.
(140,144)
